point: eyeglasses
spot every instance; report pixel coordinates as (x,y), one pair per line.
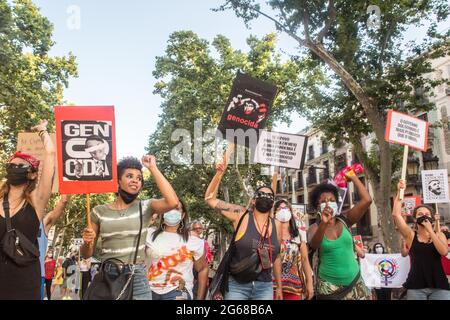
(18,166)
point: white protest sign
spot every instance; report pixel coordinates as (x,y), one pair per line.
(281,149)
(435,186)
(406,130)
(385,270)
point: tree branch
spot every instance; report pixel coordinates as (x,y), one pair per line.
(305,21)
(383,48)
(329,22)
(282,27)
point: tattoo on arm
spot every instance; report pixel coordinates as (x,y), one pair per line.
(223,206)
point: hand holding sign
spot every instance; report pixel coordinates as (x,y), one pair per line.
(42,126)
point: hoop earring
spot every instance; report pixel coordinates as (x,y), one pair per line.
(181,227)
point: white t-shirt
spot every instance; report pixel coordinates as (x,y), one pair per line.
(170,261)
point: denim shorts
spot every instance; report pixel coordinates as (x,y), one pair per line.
(255,290)
(172,295)
(428,294)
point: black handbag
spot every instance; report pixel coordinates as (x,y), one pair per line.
(104,286)
(15,245)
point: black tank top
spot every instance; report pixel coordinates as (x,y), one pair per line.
(426,267)
(249,243)
(20,283)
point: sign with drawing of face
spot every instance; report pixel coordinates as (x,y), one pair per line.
(409,203)
(86,149)
(435,186)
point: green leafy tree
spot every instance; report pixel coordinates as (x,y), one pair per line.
(194,81)
(74,219)
(369,70)
(30,80)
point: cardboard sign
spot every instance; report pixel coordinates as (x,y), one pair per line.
(435,186)
(358,241)
(31,143)
(281,149)
(248,108)
(409,203)
(86,149)
(407,130)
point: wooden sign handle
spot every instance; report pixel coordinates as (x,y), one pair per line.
(88,207)
(404,166)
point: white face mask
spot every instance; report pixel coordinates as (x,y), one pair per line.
(332,205)
(379,250)
(284,215)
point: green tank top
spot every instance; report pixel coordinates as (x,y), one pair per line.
(338,263)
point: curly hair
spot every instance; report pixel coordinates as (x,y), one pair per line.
(319,190)
(128,163)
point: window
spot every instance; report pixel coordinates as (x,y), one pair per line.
(324,147)
(310,152)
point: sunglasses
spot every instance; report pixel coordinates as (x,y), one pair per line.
(261,194)
(18,166)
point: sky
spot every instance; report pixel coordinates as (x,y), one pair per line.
(116,43)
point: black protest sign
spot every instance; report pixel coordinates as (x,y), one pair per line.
(248,109)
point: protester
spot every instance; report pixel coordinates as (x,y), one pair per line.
(59,275)
(27,200)
(85,269)
(426,279)
(69,282)
(172,254)
(446,260)
(256,253)
(47,223)
(118,224)
(296,277)
(381,293)
(196,230)
(49,272)
(338,276)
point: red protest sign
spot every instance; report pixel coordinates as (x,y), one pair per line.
(406,130)
(86,149)
(409,203)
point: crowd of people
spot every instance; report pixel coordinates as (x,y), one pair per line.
(154,244)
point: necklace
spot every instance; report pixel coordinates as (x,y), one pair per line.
(123,211)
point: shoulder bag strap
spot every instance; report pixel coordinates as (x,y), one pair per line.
(140,232)
(237,228)
(6,210)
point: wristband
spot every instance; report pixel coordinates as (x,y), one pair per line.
(41,133)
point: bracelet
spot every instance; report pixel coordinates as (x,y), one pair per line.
(41,133)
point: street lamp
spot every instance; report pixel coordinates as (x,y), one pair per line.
(412,168)
(430,162)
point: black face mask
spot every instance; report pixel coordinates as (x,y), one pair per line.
(263,205)
(16,176)
(127,197)
(423,218)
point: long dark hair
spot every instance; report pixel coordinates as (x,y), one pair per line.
(183,228)
(293,230)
